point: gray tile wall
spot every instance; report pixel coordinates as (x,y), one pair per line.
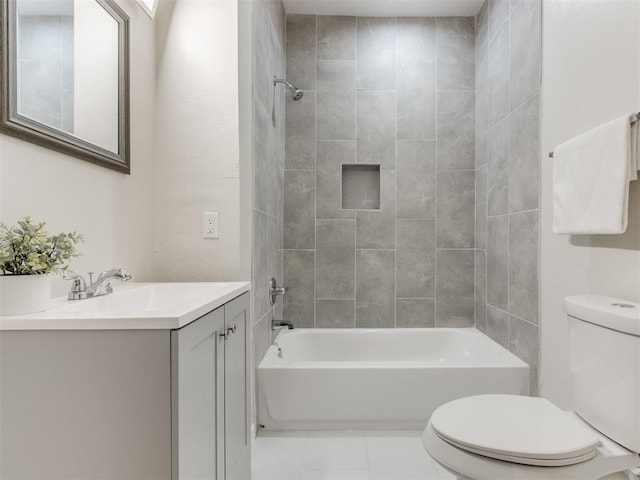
(399,92)
(268,175)
(508,50)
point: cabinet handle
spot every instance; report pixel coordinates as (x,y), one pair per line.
(228,331)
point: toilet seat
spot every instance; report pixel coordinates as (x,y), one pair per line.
(526,430)
(608,456)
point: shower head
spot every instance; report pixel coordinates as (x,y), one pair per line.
(296,93)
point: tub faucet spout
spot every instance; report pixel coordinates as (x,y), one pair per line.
(281,324)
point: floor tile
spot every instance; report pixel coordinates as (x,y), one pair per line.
(282,434)
(401,457)
(343,455)
(336,475)
(277,457)
(333,452)
(336,433)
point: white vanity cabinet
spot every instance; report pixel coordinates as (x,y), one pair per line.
(165,399)
(210,424)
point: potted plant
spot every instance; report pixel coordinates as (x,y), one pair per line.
(29,254)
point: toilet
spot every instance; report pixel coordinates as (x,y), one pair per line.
(510,437)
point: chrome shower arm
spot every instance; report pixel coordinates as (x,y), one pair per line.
(296,93)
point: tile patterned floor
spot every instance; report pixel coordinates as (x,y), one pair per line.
(343,456)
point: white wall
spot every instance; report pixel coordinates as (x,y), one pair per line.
(591,63)
(113,211)
(197,140)
(185,158)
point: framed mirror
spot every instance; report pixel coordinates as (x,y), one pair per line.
(64,77)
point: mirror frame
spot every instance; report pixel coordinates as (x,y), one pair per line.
(24,128)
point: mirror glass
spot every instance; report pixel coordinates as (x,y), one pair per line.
(67,78)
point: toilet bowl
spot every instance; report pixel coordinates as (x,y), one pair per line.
(510,437)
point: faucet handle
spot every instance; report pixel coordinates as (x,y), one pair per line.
(78,287)
(275,290)
(77,280)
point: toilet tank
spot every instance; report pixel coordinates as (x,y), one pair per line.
(604,346)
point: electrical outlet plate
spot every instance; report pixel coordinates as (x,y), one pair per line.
(210,225)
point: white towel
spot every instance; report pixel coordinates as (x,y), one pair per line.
(591,175)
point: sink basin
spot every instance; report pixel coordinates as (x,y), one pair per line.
(142,299)
(132,306)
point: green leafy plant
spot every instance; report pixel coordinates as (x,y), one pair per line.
(28,249)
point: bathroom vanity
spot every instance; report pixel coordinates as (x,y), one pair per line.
(149,382)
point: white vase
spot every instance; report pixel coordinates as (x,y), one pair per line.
(20,294)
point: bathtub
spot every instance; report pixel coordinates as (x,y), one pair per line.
(380,379)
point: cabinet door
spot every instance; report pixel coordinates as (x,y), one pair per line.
(236,400)
(197,378)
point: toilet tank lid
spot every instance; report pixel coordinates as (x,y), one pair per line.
(609,312)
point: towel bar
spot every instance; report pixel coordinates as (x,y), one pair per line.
(634,118)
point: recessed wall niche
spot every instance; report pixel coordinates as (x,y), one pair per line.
(361,187)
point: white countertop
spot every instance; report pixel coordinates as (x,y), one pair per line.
(132,306)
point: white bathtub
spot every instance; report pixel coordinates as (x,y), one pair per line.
(341,379)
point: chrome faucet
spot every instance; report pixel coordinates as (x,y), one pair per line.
(281,324)
(102,286)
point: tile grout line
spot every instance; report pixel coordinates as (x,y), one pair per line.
(395,213)
(355,223)
(475,171)
(282,150)
(508,253)
(435,213)
(315,145)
